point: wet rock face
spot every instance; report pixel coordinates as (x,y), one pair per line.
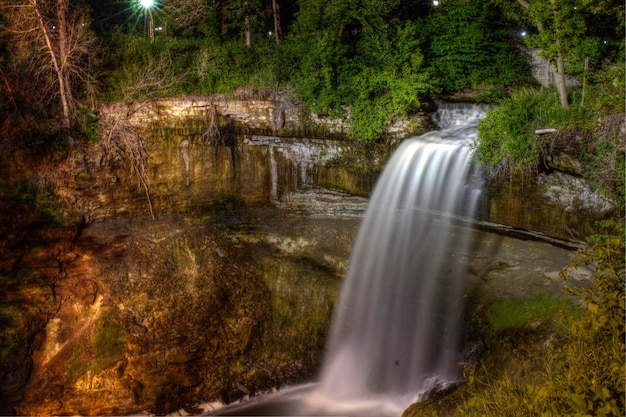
(161,315)
(188,174)
(556,205)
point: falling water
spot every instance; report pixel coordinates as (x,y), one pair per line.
(395,332)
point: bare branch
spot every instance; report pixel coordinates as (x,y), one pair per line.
(51,42)
(121,141)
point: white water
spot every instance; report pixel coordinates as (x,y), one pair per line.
(395,331)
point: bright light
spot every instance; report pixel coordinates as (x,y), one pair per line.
(523,33)
(435,2)
(146,4)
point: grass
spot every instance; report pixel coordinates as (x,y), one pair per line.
(515,314)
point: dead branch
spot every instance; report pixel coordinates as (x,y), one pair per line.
(211,135)
(121,142)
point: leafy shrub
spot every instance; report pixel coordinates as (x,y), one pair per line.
(584,374)
(606,94)
(506,138)
(390,90)
(222,68)
(508,145)
(606,162)
(361,59)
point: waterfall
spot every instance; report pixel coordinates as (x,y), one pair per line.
(395,331)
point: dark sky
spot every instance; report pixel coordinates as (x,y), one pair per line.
(110,13)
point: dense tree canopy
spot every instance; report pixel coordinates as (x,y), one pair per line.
(368,60)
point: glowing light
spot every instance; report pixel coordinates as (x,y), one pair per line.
(435,2)
(523,33)
(146,4)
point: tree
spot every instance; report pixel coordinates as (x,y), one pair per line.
(564,36)
(51,41)
(361,56)
(276,14)
(245,15)
(474,43)
(334,40)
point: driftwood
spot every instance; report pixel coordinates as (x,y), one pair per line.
(544,131)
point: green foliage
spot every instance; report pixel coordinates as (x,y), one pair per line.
(175,65)
(138,69)
(222,67)
(359,58)
(245,15)
(584,374)
(371,61)
(606,164)
(507,143)
(564,32)
(506,138)
(472,44)
(391,90)
(606,93)
(88,125)
(321,58)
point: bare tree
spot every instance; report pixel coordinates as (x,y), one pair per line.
(52,42)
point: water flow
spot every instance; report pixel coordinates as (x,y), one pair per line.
(395,332)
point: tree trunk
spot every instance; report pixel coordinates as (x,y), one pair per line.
(150,26)
(246,32)
(276,11)
(560,63)
(561,86)
(62,29)
(61,79)
(559,68)
(63,43)
(224,19)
